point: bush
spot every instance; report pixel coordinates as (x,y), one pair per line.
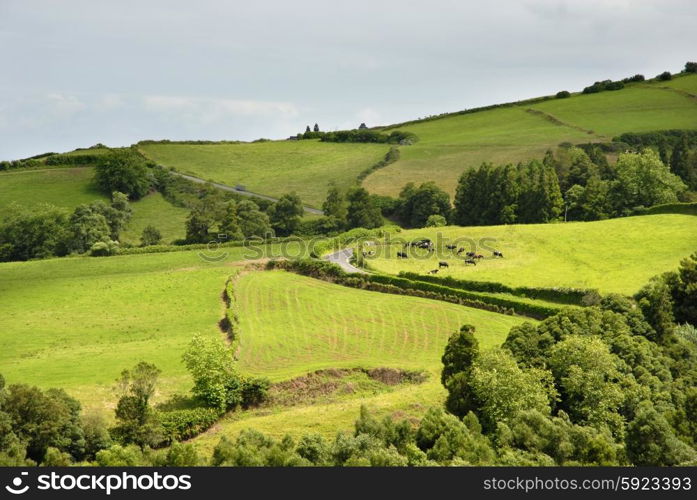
(635,78)
(178,425)
(104,248)
(563,94)
(665,76)
(691,67)
(150,236)
(255,391)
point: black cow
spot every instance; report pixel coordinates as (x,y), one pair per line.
(451,247)
(433,271)
(470,261)
(470,254)
(498,254)
(442,263)
(402,255)
(460,250)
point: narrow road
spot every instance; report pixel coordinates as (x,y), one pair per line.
(243,192)
(342,258)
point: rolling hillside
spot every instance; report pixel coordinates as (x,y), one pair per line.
(272,168)
(451,144)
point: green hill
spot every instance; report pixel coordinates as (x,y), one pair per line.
(524,131)
(273,167)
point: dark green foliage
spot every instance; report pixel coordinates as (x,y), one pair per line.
(665,76)
(150,236)
(136,420)
(39,232)
(179,425)
(604,85)
(252,221)
(691,67)
(656,304)
(635,78)
(254,391)
(684,291)
(563,94)
(123,171)
(651,441)
(417,204)
(460,352)
(390,157)
(363,135)
(198,225)
(335,206)
(362,210)
(286,214)
(507,194)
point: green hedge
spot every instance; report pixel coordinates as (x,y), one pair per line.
(391,157)
(86,159)
(179,425)
(569,296)
(403,286)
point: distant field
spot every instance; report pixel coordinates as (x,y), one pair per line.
(63,187)
(272,168)
(450,145)
(617,255)
(291,325)
(77,322)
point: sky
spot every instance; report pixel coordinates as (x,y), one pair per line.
(79,72)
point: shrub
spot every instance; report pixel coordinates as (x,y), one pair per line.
(665,76)
(150,236)
(691,67)
(178,425)
(104,248)
(255,391)
(563,94)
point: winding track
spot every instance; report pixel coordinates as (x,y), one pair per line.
(243,192)
(341,258)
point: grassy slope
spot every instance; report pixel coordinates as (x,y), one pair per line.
(272,168)
(70,187)
(617,255)
(452,144)
(292,324)
(77,322)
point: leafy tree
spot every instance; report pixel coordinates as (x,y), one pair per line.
(230,223)
(150,236)
(286,214)
(665,76)
(198,225)
(642,180)
(33,233)
(88,226)
(436,221)
(362,211)
(125,172)
(651,441)
(684,291)
(563,94)
(656,304)
(362,126)
(96,434)
(335,205)
(418,204)
(136,420)
(253,222)
(316,128)
(460,353)
(691,67)
(307,129)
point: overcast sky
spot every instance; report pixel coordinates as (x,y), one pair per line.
(74,72)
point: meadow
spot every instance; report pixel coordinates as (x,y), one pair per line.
(272,168)
(617,255)
(77,322)
(291,325)
(452,144)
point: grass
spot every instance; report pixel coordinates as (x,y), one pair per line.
(77,322)
(291,325)
(452,144)
(272,168)
(617,255)
(154,210)
(63,187)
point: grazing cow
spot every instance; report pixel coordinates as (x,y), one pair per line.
(451,247)
(470,261)
(470,254)
(498,254)
(442,263)
(433,271)
(402,255)
(478,256)
(460,250)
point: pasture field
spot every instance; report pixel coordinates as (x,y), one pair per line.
(154,210)
(63,187)
(617,255)
(272,168)
(291,325)
(452,144)
(77,322)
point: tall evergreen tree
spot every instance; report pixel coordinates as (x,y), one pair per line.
(335,205)
(362,210)
(679,159)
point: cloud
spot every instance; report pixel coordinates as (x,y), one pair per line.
(207,110)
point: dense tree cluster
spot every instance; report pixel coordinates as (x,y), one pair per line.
(47,231)
(508,194)
(361,134)
(124,171)
(417,204)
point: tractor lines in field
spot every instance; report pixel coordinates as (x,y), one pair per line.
(553,119)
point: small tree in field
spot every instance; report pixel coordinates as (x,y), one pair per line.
(316,129)
(436,221)
(150,236)
(136,421)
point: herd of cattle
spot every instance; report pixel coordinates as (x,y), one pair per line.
(426,244)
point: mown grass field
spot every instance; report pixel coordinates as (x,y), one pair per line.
(154,210)
(272,168)
(77,322)
(291,325)
(450,145)
(617,255)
